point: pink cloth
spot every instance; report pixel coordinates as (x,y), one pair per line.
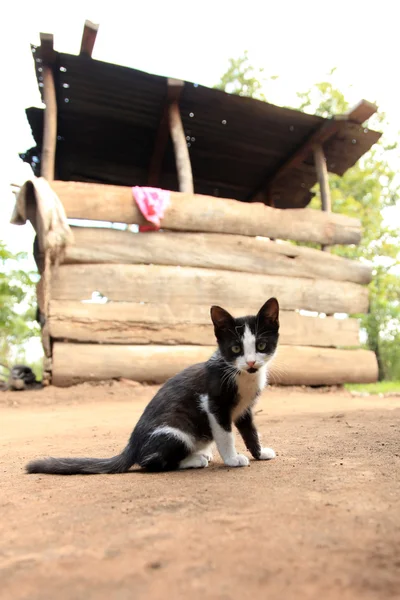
(152,203)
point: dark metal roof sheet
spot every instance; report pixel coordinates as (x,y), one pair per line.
(108,117)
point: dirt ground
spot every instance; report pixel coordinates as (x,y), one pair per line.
(320,521)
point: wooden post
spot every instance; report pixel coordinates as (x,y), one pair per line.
(322,173)
(47,170)
(50,113)
(182,158)
(173,92)
(88,38)
(361,112)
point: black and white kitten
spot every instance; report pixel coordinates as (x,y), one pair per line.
(198,406)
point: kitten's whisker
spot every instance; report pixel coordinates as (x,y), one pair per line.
(277,372)
(278,368)
(229,375)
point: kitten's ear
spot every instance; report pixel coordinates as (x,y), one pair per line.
(221,318)
(270,311)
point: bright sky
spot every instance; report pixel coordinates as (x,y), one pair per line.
(193,40)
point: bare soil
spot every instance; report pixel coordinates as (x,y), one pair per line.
(321,521)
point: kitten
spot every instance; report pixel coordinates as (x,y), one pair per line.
(198,406)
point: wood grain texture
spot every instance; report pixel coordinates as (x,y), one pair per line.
(48,157)
(294,365)
(175,285)
(193,212)
(212,251)
(181,151)
(130,323)
(88,38)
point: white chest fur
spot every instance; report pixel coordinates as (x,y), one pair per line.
(249,386)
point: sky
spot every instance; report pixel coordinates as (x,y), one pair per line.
(192,40)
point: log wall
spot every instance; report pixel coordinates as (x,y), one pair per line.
(294,365)
(159,287)
(188,285)
(134,323)
(211,251)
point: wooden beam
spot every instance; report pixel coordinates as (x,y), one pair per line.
(50,114)
(190,285)
(323,180)
(165,324)
(194,212)
(322,175)
(210,251)
(182,158)
(324,133)
(361,112)
(88,38)
(294,365)
(174,90)
(46,48)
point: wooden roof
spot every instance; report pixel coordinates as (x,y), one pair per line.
(112,129)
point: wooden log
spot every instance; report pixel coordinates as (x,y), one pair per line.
(50,114)
(182,158)
(43,308)
(361,112)
(213,251)
(299,365)
(130,323)
(75,363)
(88,38)
(322,174)
(174,91)
(323,181)
(204,287)
(193,212)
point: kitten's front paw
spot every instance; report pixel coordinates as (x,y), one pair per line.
(208,455)
(238,461)
(267,454)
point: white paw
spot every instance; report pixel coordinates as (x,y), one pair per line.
(267,454)
(195,461)
(238,461)
(207,454)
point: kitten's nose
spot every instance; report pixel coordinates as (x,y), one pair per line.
(251,363)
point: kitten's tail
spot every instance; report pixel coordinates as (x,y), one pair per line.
(83,466)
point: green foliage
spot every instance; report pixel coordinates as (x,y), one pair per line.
(382,387)
(323,99)
(364,191)
(382,322)
(17,306)
(37,368)
(243,79)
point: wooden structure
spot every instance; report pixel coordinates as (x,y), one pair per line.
(240,173)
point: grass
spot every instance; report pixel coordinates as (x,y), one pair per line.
(381,387)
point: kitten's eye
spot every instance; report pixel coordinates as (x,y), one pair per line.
(261,346)
(235,349)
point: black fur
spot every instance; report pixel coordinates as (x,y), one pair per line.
(248,431)
(177,404)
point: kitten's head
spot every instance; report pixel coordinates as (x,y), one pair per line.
(247,343)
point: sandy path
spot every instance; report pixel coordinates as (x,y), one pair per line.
(321,521)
